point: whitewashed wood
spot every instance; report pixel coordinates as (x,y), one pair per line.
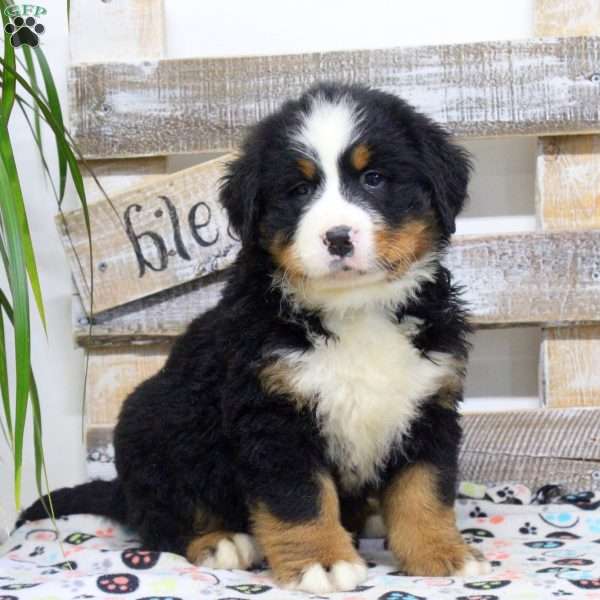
(161,317)
(113,373)
(571,363)
(530,87)
(568,197)
(529,278)
(568,182)
(116,29)
(533,447)
(510,280)
(117,176)
(567,17)
(116,266)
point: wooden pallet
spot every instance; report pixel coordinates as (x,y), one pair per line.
(162,242)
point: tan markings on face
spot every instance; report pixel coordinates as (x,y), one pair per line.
(398,248)
(292,547)
(286,258)
(360,157)
(308,168)
(422,530)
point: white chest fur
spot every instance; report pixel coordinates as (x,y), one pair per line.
(366,386)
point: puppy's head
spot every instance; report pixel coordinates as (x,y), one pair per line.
(351,191)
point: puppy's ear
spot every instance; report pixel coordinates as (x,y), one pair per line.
(449,170)
(239,196)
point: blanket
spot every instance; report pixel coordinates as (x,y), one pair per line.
(537,550)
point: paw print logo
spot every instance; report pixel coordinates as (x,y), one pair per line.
(528,529)
(24,31)
(507,494)
(477,512)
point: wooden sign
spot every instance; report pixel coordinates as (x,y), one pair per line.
(150,238)
(527,87)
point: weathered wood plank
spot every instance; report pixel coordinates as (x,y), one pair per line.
(567,192)
(510,280)
(568,197)
(160,317)
(117,176)
(109,31)
(567,17)
(530,278)
(530,87)
(531,447)
(150,238)
(570,363)
(116,29)
(113,373)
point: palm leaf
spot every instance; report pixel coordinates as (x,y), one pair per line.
(17,277)
(9,86)
(54,106)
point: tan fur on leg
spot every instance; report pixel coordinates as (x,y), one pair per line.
(292,549)
(422,530)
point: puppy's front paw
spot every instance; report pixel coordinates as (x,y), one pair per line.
(474,565)
(444,560)
(341,576)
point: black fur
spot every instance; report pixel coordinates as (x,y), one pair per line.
(202,435)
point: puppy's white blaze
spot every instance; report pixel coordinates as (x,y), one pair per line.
(366,386)
(329,128)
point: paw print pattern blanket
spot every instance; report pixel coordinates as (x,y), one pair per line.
(538,552)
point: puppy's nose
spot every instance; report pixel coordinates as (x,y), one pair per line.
(337,240)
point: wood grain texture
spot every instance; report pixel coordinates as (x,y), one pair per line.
(533,447)
(110,31)
(147,321)
(510,280)
(568,197)
(113,373)
(530,87)
(571,357)
(568,182)
(567,17)
(529,278)
(150,238)
(117,176)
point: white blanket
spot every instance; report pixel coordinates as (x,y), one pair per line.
(537,552)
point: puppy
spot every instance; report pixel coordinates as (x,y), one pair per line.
(329,374)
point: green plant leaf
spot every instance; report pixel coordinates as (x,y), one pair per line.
(17,277)
(22,105)
(31,73)
(9,83)
(4,391)
(54,106)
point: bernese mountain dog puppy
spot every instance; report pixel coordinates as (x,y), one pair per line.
(328,377)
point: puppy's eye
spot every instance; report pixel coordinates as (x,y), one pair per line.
(302,190)
(372,179)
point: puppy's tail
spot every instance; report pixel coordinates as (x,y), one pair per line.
(98,497)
